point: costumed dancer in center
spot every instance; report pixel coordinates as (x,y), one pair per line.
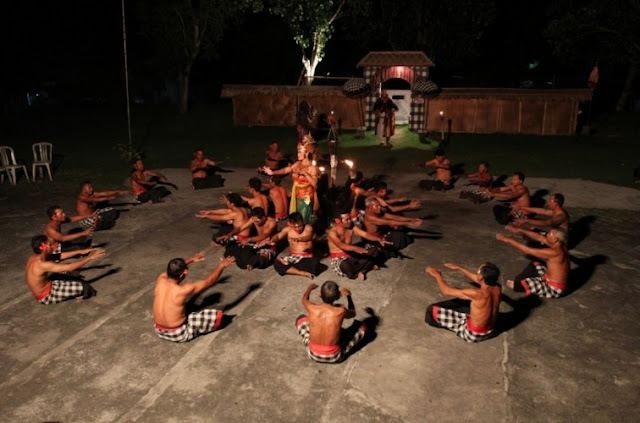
(305,180)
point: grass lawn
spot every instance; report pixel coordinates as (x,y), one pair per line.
(86,144)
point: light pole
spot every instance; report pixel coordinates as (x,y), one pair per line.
(126,74)
(441,125)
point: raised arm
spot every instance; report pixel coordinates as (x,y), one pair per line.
(541,253)
(529,234)
(60,237)
(69,254)
(216,215)
(274,239)
(463,294)
(53,267)
(201,285)
(351,308)
(283,171)
(370,237)
(305,297)
(333,237)
(473,276)
(156,174)
(197,257)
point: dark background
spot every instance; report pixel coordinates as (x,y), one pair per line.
(72,52)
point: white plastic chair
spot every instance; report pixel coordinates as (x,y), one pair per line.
(9,165)
(42,157)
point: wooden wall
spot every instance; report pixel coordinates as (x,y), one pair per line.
(486,111)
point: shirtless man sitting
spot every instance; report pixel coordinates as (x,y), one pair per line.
(203,171)
(40,266)
(52,230)
(144,184)
(257,199)
(442,180)
(87,202)
(279,198)
(273,158)
(347,259)
(300,261)
(558,216)
(170,297)
(321,329)
(232,216)
(394,205)
(516,193)
(547,279)
(483,179)
(473,318)
(386,225)
(245,250)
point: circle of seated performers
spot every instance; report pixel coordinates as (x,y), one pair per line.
(366,229)
(517,197)
(481,179)
(473,318)
(147,185)
(321,330)
(441,181)
(203,171)
(44,273)
(172,322)
(246,250)
(92,209)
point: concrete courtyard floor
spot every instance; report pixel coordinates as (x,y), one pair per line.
(99,360)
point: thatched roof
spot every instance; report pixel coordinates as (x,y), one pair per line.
(395,58)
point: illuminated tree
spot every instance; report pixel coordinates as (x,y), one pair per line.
(311,24)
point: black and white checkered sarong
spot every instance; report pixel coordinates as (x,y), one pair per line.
(456,322)
(335,265)
(538,285)
(198,323)
(63,290)
(93,220)
(302,324)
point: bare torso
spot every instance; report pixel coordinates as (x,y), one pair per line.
(259,200)
(168,303)
(484,308)
(523,199)
(558,265)
(278,195)
(240,216)
(325,323)
(198,167)
(136,176)
(370,225)
(85,206)
(296,243)
(35,276)
(343,234)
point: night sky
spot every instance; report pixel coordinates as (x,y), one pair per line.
(75,49)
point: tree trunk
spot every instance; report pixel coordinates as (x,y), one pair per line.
(183,92)
(632,75)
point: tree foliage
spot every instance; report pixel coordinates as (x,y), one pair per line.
(184,31)
(447,30)
(607,32)
(311,25)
